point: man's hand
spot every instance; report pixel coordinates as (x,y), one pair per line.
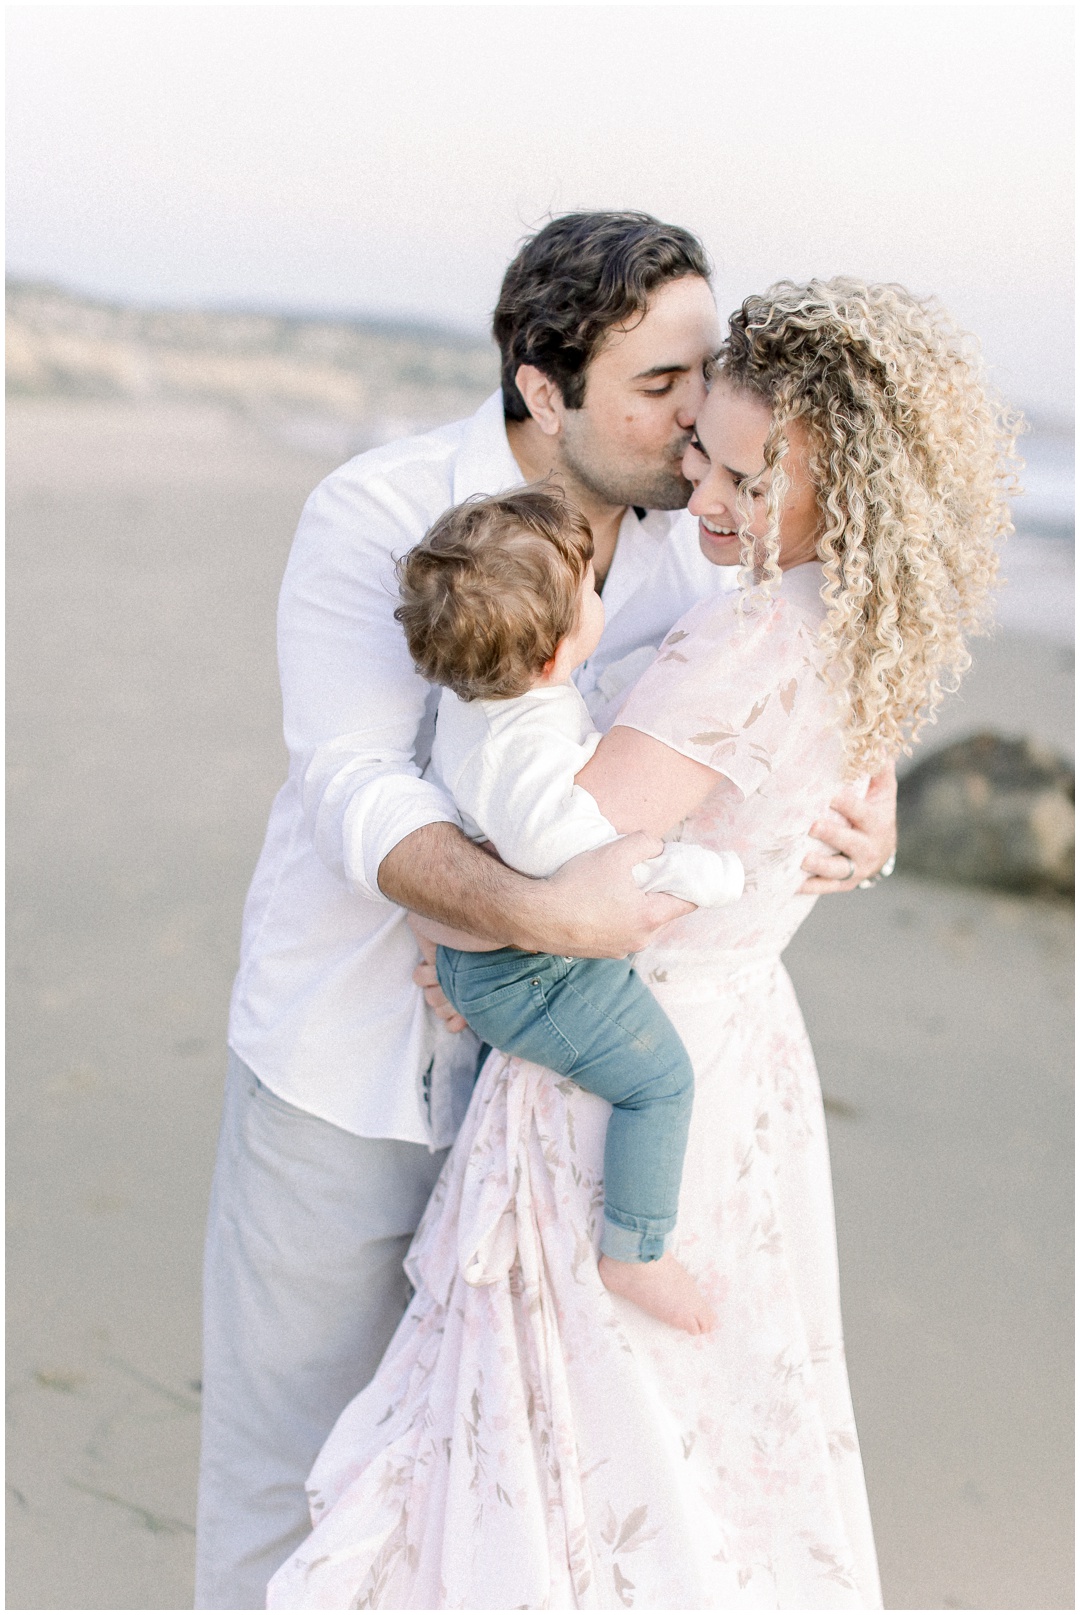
(594,908)
(862,830)
(425,976)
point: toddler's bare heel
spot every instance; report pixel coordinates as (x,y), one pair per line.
(663,1288)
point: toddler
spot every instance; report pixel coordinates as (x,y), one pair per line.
(499,606)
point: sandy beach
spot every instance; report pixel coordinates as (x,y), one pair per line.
(146,544)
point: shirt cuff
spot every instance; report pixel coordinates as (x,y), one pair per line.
(383,814)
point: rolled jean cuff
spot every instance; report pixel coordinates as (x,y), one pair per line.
(645,1244)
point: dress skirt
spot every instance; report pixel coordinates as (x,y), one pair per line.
(532,1442)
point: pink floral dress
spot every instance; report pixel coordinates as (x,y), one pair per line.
(530,1441)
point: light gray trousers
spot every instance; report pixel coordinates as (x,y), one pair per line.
(303,1287)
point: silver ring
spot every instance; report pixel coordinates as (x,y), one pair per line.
(851,866)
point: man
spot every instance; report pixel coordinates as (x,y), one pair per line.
(343,1089)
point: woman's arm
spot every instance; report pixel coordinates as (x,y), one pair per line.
(641,784)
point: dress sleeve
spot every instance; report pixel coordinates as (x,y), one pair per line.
(725,690)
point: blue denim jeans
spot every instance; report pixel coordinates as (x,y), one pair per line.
(594,1020)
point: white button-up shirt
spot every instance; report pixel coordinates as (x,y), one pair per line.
(324,1009)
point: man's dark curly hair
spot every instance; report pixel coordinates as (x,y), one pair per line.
(572,282)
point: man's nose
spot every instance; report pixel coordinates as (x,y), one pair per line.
(691,401)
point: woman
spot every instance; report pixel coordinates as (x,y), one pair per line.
(531,1441)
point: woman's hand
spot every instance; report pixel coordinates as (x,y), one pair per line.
(862,832)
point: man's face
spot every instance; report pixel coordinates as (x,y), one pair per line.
(642,394)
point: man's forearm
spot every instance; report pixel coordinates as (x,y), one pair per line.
(590,908)
(439,873)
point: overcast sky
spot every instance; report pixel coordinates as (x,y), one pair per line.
(386,159)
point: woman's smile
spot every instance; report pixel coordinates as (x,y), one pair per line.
(719,543)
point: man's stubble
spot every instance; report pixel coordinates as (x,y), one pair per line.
(661,487)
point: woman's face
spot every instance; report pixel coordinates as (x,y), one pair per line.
(728,448)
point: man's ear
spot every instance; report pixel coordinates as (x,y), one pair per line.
(542,398)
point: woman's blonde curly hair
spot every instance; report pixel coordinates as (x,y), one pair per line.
(913,461)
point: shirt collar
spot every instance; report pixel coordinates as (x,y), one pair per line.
(638,551)
(484,463)
(657,524)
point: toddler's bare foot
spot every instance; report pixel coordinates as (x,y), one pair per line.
(663,1288)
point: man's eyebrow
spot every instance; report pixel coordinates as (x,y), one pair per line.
(662,370)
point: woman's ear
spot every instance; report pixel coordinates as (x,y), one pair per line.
(542,398)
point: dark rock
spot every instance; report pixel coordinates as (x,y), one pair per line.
(990,812)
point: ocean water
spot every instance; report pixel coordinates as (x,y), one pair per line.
(1038,563)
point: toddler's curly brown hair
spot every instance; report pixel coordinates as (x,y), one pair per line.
(492,589)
